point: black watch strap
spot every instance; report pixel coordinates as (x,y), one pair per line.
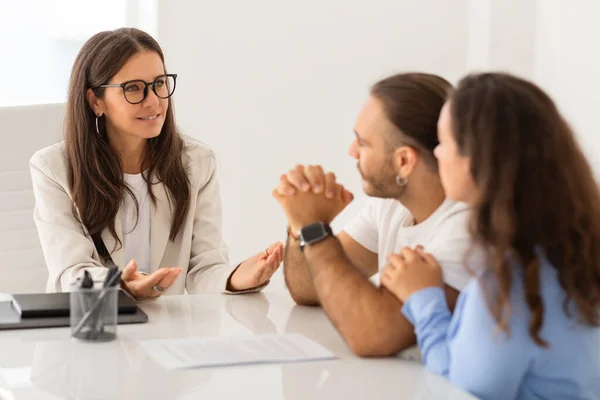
(314,233)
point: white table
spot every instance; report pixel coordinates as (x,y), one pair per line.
(46,364)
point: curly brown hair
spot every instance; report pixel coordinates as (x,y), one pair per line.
(536,191)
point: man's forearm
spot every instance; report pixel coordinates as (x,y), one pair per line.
(369,318)
(297,276)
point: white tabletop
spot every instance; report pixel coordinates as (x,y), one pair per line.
(46,364)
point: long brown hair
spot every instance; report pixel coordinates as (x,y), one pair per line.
(537,194)
(412,102)
(95,173)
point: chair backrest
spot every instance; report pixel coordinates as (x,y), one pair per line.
(23,131)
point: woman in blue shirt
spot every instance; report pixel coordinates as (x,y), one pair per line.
(527,326)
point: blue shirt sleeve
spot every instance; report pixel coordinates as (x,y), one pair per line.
(428,311)
(468,348)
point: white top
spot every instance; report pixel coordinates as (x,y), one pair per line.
(136,237)
(385,226)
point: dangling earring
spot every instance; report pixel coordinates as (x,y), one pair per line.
(97,128)
(401,181)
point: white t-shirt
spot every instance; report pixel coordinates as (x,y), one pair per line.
(385,226)
(136,242)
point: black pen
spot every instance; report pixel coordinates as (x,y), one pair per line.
(96,324)
(112,281)
(86,283)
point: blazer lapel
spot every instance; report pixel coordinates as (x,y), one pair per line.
(160,225)
(118,254)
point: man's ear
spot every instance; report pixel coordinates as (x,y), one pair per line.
(404,160)
(95,103)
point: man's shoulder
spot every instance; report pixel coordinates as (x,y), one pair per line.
(454,213)
(386,208)
(391,211)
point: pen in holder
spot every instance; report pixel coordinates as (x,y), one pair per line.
(94,311)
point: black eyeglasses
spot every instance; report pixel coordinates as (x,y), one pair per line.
(136,91)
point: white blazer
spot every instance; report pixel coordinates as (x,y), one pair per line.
(198,248)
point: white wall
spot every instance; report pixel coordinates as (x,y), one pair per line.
(36,33)
(502,36)
(268,84)
(567,64)
(552,42)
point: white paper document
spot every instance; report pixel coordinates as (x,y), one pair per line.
(223,351)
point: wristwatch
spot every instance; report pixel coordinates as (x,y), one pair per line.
(314,233)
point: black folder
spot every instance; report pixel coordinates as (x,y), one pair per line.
(38,305)
(47,310)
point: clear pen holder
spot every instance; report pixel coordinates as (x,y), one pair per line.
(94,314)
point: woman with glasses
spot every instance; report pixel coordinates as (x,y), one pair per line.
(125,188)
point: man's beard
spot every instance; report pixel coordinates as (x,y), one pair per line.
(383,185)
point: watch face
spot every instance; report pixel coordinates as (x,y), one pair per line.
(313,232)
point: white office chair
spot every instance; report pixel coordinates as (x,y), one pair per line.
(23,131)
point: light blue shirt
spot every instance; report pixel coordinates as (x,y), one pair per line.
(476,356)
